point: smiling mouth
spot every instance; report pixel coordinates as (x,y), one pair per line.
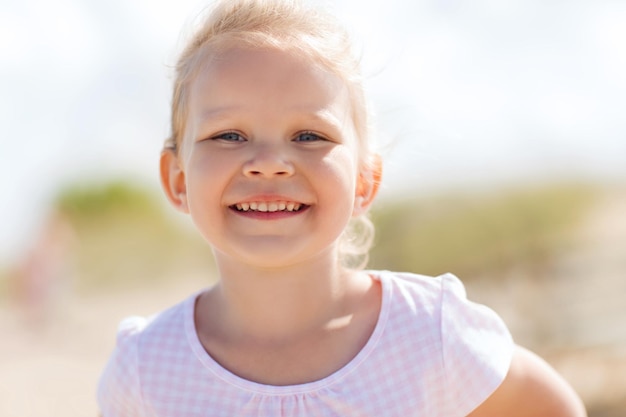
(269,206)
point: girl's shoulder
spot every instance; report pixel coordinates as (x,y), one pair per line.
(468,342)
(134,329)
(423,282)
(442,299)
(426,290)
(141,342)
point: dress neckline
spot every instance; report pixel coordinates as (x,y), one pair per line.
(224,374)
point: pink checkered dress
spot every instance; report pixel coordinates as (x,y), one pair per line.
(432,353)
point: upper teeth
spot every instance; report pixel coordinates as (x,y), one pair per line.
(270,206)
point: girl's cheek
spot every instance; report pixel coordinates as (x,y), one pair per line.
(203,159)
(343,161)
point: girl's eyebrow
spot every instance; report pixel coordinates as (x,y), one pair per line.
(326,118)
(217,113)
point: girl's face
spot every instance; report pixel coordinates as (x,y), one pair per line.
(269,170)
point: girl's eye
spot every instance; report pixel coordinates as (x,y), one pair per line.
(230,137)
(308,137)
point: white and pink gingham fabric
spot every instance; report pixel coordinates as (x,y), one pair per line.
(432,354)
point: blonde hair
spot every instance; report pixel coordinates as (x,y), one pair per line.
(286,25)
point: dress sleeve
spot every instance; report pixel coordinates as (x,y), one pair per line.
(119,391)
(477,349)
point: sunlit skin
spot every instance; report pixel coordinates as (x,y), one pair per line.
(270,174)
(269,129)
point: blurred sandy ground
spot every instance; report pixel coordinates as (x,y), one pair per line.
(576,320)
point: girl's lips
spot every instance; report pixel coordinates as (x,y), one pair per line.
(270,211)
(268,206)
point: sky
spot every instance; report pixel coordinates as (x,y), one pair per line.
(467,93)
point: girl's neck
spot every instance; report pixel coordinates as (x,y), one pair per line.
(282,304)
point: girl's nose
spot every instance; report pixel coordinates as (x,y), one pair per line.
(268,162)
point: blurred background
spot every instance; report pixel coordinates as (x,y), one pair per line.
(503,135)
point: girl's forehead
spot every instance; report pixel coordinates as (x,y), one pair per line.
(274,75)
(252,62)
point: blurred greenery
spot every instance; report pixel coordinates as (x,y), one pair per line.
(125,235)
(477,233)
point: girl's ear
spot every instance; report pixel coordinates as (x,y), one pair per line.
(367,185)
(173,180)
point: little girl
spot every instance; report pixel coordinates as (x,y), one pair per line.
(270,157)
